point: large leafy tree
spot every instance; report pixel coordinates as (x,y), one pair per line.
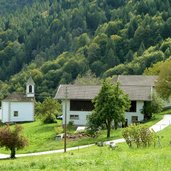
(12,139)
(164,80)
(110,105)
(87,79)
(48,110)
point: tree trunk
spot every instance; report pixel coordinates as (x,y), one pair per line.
(108,126)
(108,132)
(116,125)
(12,153)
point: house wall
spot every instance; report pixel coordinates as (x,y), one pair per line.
(25,111)
(5,111)
(83,114)
(139,107)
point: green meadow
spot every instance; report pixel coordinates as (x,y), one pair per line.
(100,158)
(41,137)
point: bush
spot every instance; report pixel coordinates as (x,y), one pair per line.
(93,131)
(151,107)
(50,118)
(139,135)
(70,125)
(58,130)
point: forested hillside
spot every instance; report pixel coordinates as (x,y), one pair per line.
(7,6)
(55,40)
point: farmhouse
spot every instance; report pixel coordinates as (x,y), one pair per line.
(19,107)
(77,98)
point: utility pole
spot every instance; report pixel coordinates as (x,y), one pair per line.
(65,124)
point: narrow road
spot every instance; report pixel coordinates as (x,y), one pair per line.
(166,121)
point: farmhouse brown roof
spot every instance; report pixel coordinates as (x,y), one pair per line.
(141,93)
(136,80)
(77,92)
(18,97)
(138,87)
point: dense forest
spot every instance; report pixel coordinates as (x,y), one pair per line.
(57,40)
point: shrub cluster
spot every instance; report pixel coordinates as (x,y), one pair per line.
(93,132)
(151,107)
(70,125)
(139,135)
(49,118)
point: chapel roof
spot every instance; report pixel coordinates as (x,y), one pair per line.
(30,81)
(18,97)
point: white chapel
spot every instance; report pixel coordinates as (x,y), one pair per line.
(19,107)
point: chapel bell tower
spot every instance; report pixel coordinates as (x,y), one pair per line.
(30,88)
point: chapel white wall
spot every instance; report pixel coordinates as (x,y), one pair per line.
(25,111)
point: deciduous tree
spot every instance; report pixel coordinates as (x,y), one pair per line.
(87,79)
(110,105)
(11,139)
(48,110)
(164,80)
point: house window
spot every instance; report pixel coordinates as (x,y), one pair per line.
(74,117)
(30,89)
(134,119)
(81,105)
(15,113)
(133,106)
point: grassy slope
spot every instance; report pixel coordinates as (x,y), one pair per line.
(100,158)
(42,136)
